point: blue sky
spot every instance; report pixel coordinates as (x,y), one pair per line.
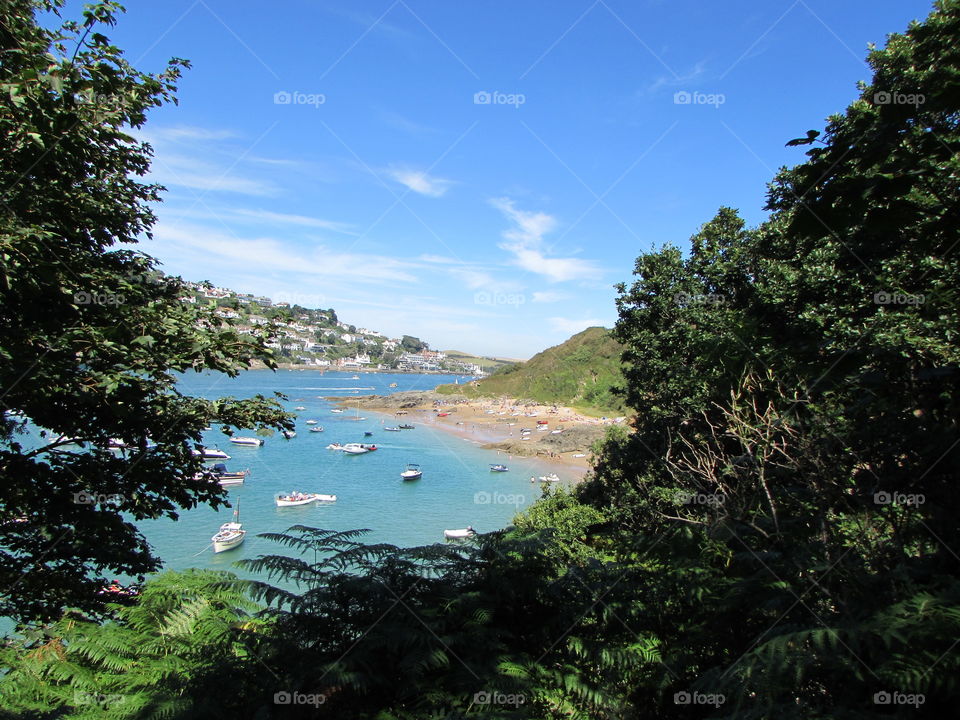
(478,174)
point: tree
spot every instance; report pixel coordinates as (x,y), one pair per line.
(91,343)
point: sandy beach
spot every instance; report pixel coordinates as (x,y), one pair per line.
(552,434)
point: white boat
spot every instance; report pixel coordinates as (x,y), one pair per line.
(212,454)
(223,477)
(298,498)
(334,446)
(289,434)
(249,441)
(337,410)
(358,448)
(299,407)
(230,535)
(318,428)
(459,534)
(392,429)
(311,422)
(413,472)
(552,477)
(355,377)
(499,468)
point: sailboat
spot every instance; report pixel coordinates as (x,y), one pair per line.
(230,535)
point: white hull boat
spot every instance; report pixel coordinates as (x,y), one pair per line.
(334,446)
(247,441)
(358,448)
(552,477)
(316,429)
(459,534)
(212,454)
(289,434)
(230,535)
(336,410)
(294,499)
(311,422)
(413,472)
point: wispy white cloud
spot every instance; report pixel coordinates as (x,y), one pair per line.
(183,171)
(571,326)
(303,220)
(695,73)
(525,242)
(182,133)
(420,182)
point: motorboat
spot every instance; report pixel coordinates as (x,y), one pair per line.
(335,446)
(413,472)
(405,426)
(552,477)
(247,441)
(392,429)
(358,448)
(288,434)
(211,454)
(459,534)
(230,535)
(337,410)
(311,422)
(299,407)
(299,498)
(318,428)
(499,468)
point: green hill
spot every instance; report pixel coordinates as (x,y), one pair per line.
(579,373)
(487,362)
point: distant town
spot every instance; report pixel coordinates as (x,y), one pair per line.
(318,338)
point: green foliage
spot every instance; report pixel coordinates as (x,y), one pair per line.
(92,339)
(583,371)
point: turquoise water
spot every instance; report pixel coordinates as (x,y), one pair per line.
(457,488)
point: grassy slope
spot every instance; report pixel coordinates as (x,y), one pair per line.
(578,373)
(486,362)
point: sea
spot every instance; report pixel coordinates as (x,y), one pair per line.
(457,489)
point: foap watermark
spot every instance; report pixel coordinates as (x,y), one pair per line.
(898,698)
(298,698)
(499,298)
(691,498)
(683,97)
(304,300)
(89,698)
(98,298)
(284,97)
(698,698)
(499,98)
(882,97)
(896,298)
(682,298)
(898,498)
(498,498)
(86,497)
(492,697)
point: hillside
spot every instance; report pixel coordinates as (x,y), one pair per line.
(578,373)
(487,362)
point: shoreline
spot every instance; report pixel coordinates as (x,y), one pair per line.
(496,425)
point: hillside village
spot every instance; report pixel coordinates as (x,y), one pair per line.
(318,338)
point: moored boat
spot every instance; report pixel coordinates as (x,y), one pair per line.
(289,434)
(299,498)
(311,422)
(499,468)
(299,407)
(337,410)
(230,535)
(405,426)
(413,472)
(211,454)
(318,428)
(392,429)
(358,448)
(247,441)
(552,477)
(459,534)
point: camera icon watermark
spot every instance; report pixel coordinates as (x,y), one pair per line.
(883,97)
(895,298)
(898,498)
(492,697)
(691,498)
(283,97)
(898,698)
(88,298)
(298,698)
(683,97)
(684,299)
(499,98)
(85,497)
(685,697)
(498,498)
(499,298)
